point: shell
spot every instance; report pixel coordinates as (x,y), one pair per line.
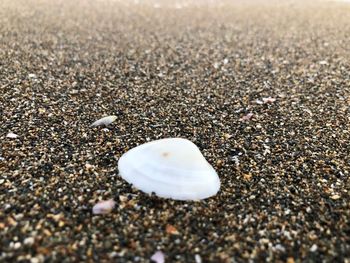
(158,257)
(12,135)
(171,168)
(103,207)
(104,121)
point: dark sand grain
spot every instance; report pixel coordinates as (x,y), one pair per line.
(285,193)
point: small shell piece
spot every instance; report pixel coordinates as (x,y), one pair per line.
(12,135)
(171,168)
(103,207)
(158,257)
(104,121)
(268,100)
(247,117)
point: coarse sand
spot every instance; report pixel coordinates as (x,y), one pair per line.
(262,87)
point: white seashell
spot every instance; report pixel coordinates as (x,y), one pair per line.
(171,168)
(104,121)
(12,135)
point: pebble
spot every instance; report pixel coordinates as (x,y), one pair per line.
(314,248)
(29,241)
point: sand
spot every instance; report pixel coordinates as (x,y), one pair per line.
(175,69)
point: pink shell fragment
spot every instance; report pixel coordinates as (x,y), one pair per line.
(103,207)
(158,257)
(247,117)
(269,100)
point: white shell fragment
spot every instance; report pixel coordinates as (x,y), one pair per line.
(103,207)
(171,168)
(104,121)
(31,76)
(12,135)
(269,100)
(158,257)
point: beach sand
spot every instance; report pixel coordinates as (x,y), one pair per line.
(175,69)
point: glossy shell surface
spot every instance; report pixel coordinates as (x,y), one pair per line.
(171,168)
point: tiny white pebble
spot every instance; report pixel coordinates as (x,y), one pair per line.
(29,241)
(287,235)
(17,245)
(32,76)
(280,248)
(313,248)
(216,65)
(35,260)
(198,258)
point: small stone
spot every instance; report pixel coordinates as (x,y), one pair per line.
(197,258)
(247,176)
(88,166)
(16,245)
(227,136)
(314,248)
(335,197)
(37,259)
(170,229)
(31,76)
(123,198)
(280,248)
(219,163)
(29,241)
